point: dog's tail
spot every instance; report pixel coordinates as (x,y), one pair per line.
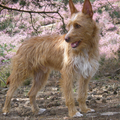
(8,81)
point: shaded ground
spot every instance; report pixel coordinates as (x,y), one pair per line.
(103,97)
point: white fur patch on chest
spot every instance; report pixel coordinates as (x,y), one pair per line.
(84,66)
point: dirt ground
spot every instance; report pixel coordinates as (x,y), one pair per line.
(103,97)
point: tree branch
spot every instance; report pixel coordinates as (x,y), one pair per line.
(113,9)
(39,12)
(27,11)
(64,29)
(32,24)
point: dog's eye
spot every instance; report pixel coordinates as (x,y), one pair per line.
(77,25)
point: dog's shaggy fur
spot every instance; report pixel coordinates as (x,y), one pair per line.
(74,54)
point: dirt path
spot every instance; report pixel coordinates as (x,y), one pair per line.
(103,97)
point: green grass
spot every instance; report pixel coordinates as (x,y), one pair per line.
(4,74)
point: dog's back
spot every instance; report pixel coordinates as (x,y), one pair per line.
(40,52)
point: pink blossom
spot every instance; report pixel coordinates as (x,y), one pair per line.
(22,27)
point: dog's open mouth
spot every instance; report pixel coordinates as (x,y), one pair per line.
(75,44)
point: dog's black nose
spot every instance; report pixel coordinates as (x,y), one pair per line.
(67,39)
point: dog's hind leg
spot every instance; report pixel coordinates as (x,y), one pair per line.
(14,82)
(82,94)
(39,81)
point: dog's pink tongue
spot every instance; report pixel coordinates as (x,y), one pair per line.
(73,45)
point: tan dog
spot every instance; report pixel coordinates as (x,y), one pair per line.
(74,54)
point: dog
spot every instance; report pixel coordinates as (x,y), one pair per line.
(75,54)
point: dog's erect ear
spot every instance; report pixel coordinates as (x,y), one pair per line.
(87,8)
(72,7)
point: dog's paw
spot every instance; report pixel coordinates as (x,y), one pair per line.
(78,114)
(87,110)
(42,110)
(5,113)
(91,110)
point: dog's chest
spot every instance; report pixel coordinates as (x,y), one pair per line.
(84,66)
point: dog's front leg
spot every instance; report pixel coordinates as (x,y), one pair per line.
(66,85)
(82,94)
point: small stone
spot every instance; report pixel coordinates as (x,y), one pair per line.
(27,103)
(52,98)
(94,93)
(1,92)
(110,89)
(15,100)
(16,105)
(115,92)
(103,100)
(66,118)
(105,91)
(106,86)
(42,110)
(109,98)
(105,95)
(90,88)
(57,103)
(93,101)
(53,112)
(55,88)
(98,98)
(89,97)
(87,102)
(109,113)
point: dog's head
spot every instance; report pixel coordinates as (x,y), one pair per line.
(81,26)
